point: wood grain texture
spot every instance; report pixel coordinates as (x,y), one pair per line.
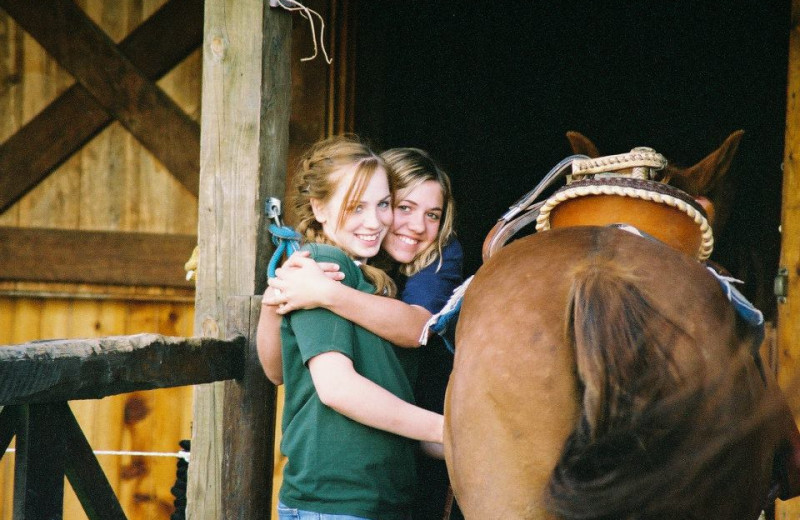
(62,370)
(102,421)
(114,82)
(83,193)
(112,183)
(788,324)
(101,257)
(39,464)
(248,488)
(83,469)
(74,118)
(244,143)
(789,312)
(144,421)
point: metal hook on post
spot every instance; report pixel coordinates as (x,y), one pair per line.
(272,208)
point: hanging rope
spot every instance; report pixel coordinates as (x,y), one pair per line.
(286,241)
(308,14)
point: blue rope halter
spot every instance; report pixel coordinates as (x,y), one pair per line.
(286,240)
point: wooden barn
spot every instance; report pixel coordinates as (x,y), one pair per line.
(133,131)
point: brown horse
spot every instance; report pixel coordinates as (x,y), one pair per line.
(601,375)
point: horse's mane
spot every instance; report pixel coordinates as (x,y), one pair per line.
(640,447)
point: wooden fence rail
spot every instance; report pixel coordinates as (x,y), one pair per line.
(63,370)
(39,377)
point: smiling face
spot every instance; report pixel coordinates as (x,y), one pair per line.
(417,216)
(367,218)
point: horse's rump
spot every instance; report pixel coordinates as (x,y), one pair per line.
(619,386)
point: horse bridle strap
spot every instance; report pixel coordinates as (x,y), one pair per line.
(525,210)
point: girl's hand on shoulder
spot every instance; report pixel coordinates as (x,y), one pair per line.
(302,260)
(302,283)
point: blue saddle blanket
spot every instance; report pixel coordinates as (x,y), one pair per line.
(746,310)
(444,322)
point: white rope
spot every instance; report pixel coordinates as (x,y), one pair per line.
(180,455)
(641,157)
(307,13)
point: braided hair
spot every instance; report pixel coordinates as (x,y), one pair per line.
(317,177)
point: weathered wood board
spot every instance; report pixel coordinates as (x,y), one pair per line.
(151,421)
(114,184)
(789,311)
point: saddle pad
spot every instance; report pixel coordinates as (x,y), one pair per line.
(444,322)
(746,310)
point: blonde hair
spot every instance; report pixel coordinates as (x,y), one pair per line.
(317,177)
(410,167)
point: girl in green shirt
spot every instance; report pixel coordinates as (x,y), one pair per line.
(348,422)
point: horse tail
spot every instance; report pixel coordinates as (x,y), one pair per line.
(635,432)
(623,345)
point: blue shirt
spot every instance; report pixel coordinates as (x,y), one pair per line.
(429,366)
(432,286)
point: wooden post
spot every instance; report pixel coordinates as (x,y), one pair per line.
(83,469)
(789,312)
(243,147)
(39,464)
(246,488)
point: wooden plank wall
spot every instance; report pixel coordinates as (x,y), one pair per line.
(788,312)
(113,184)
(139,421)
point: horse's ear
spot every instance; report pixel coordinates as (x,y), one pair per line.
(704,176)
(581,145)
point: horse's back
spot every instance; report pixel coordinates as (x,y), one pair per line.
(514,394)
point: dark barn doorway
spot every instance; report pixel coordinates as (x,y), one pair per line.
(491,88)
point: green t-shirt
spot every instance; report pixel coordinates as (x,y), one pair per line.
(337,465)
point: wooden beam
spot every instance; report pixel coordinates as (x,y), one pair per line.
(84,472)
(39,465)
(96,292)
(87,53)
(102,257)
(74,118)
(341,73)
(789,311)
(245,119)
(247,488)
(63,370)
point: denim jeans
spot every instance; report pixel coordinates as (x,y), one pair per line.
(287,513)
